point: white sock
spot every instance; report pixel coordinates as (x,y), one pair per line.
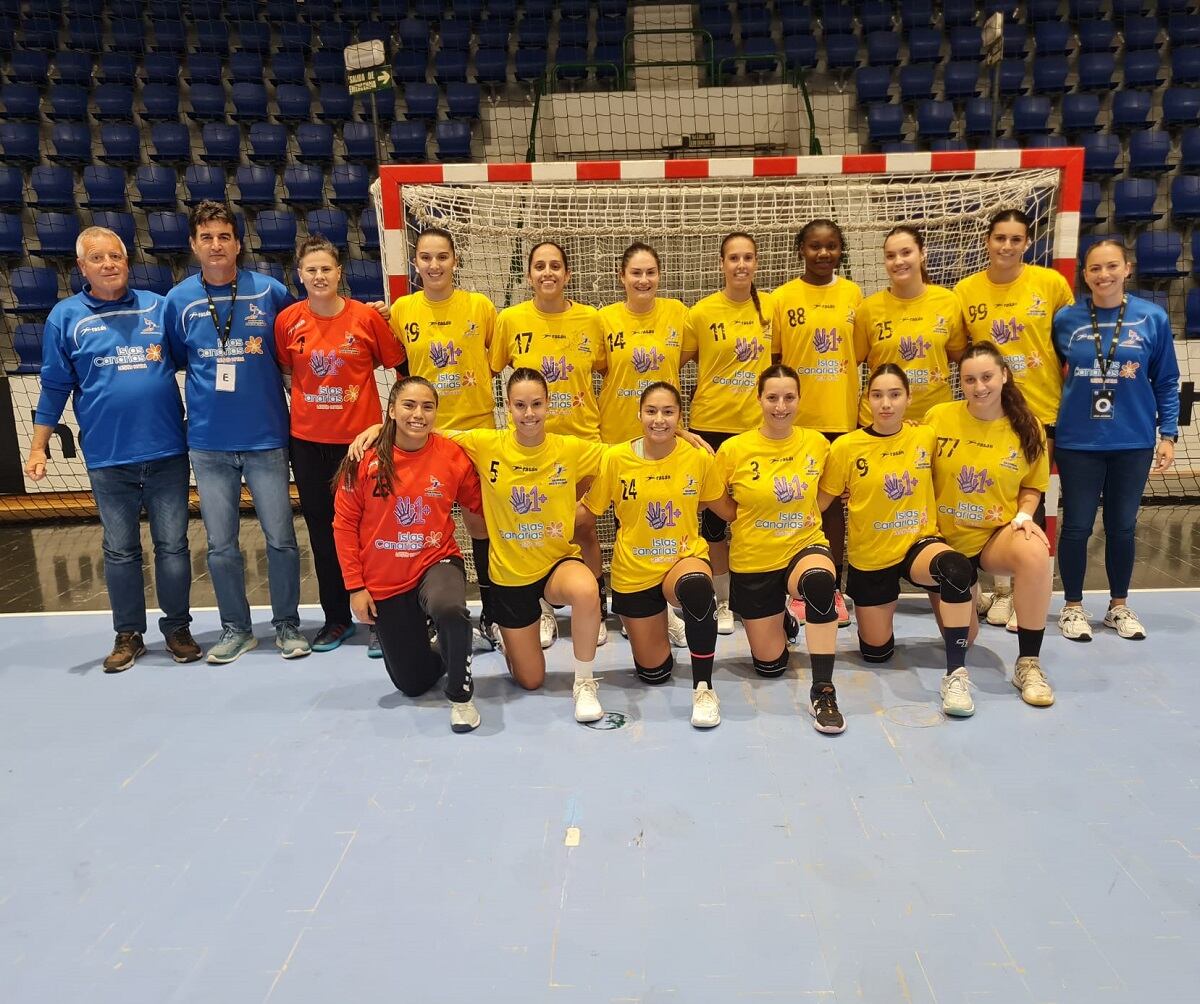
(1002,584)
(721,586)
(583,669)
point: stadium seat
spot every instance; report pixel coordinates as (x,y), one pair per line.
(1196,250)
(35,289)
(256,187)
(1185,65)
(351,185)
(1189,150)
(120,224)
(1133,201)
(1130,110)
(303,185)
(359,140)
(204,68)
(1148,152)
(966,43)
(1050,75)
(212,36)
(104,187)
(206,102)
(114,102)
(336,103)
(1181,106)
(961,81)
(1050,38)
(456,34)
(885,123)
(56,234)
(250,102)
(871,84)
(837,18)
(1191,314)
(120,143)
(411,65)
(40,31)
(1096,71)
(1089,210)
(364,278)
(1080,113)
(160,68)
(85,34)
(413,32)
(1015,41)
(170,36)
(494,33)
(800,52)
(883,48)
(935,120)
(924,45)
(276,271)
(1042,10)
(168,233)
(29,67)
(333,35)
(421,101)
(453,140)
(53,187)
(1031,115)
(156,187)
(529,64)
(127,35)
(330,223)
(1097,36)
(451,64)
(1082,9)
(408,141)
(170,143)
(12,187)
(254,36)
(67,103)
(294,102)
(1183,29)
(160,103)
(1185,199)
(873,16)
(246,67)
(276,232)
(1140,33)
(978,117)
(27,342)
(754,22)
(916,12)
(288,68)
(1157,254)
(369,225)
(841,52)
(221,143)
(314,142)
(268,143)
(916,84)
(117,68)
(462,101)
(1012,77)
(70,67)
(12,235)
(202,182)
(72,142)
(1143,70)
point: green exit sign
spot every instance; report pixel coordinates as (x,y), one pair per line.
(378,78)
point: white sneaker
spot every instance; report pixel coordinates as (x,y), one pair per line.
(956,695)
(724,619)
(1001,609)
(602,634)
(675,629)
(548,626)
(463,717)
(1073,623)
(1011,626)
(1029,679)
(706,708)
(587,700)
(984,603)
(1125,622)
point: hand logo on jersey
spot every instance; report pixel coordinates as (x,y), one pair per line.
(747,350)
(411,512)
(154,353)
(1007,331)
(789,489)
(254,345)
(660,515)
(973,482)
(556,369)
(646,359)
(896,487)
(526,500)
(444,354)
(325,364)
(913,348)
(826,340)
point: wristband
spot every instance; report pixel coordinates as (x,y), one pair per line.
(1021,518)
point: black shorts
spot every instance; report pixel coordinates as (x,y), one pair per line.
(643,603)
(516,607)
(765,594)
(712,527)
(880,587)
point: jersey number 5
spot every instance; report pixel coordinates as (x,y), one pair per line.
(493,471)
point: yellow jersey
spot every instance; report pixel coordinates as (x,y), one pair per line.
(1018,317)
(814,334)
(528,498)
(978,470)
(774,483)
(657,503)
(733,347)
(447,342)
(564,348)
(890,480)
(636,351)
(916,335)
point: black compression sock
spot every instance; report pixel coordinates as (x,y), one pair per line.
(956,647)
(1029,642)
(822,671)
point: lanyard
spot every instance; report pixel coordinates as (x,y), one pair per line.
(212,312)
(1106,363)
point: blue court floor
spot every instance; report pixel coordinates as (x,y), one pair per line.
(299,832)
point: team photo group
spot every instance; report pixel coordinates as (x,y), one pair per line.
(784,485)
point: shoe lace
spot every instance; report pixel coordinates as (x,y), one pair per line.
(1031,672)
(958,683)
(1123,613)
(706,697)
(288,632)
(825,704)
(590,687)
(227,635)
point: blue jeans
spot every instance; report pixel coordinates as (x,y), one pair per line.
(219,479)
(1119,476)
(161,486)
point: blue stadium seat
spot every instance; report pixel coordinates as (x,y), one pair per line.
(1185,64)
(411,65)
(53,187)
(1043,142)
(961,81)
(408,141)
(336,103)
(359,139)
(1196,250)
(160,103)
(1050,75)
(1183,29)
(957,13)
(1097,36)
(530,64)
(462,101)
(246,67)
(1157,254)
(966,43)
(1082,9)
(1012,77)
(330,223)
(221,144)
(924,45)
(369,225)
(29,67)
(120,143)
(370,31)
(1181,106)
(841,52)
(837,18)
(1042,10)
(421,101)
(85,34)
(203,182)
(902,146)
(753,22)
(27,342)
(491,65)
(978,117)
(268,143)
(885,123)
(1140,32)
(1089,209)
(212,36)
(156,187)
(256,187)
(935,120)
(1191,314)
(1031,116)
(206,102)
(612,31)
(289,68)
(67,103)
(170,36)
(351,185)
(114,102)
(127,35)
(413,32)
(916,83)
(314,142)
(575,32)
(117,68)
(328,66)
(871,84)
(120,224)
(294,102)
(1101,153)
(1185,199)
(35,289)
(1133,201)
(568,60)
(456,34)
(56,234)
(385,106)
(883,48)
(333,35)
(1130,110)
(1080,113)
(1148,152)
(364,278)
(204,68)
(494,33)
(72,143)
(453,140)
(276,271)
(451,65)
(875,16)
(1015,41)
(71,67)
(12,187)
(254,36)
(1189,150)
(916,12)
(160,68)
(12,236)
(1143,70)
(1051,38)
(40,31)
(168,233)
(303,185)
(1096,71)
(276,232)
(800,52)
(250,102)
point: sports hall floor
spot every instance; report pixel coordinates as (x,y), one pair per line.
(298,832)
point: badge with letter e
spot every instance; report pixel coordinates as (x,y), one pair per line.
(226,376)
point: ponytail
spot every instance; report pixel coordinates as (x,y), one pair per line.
(1016,409)
(757,304)
(742,235)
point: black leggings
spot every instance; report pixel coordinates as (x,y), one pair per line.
(313,466)
(413,666)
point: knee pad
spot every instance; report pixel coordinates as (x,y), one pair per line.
(660,674)
(817,588)
(954,574)
(877,653)
(712,527)
(774,667)
(694,590)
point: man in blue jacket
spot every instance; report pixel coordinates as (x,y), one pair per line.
(105,349)
(220,327)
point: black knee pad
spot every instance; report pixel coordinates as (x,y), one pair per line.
(694,591)
(776,667)
(660,674)
(877,653)
(817,587)
(712,527)
(955,575)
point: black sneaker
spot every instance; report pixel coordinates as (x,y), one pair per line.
(127,647)
(182,645)
(331,636)
(822,705)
